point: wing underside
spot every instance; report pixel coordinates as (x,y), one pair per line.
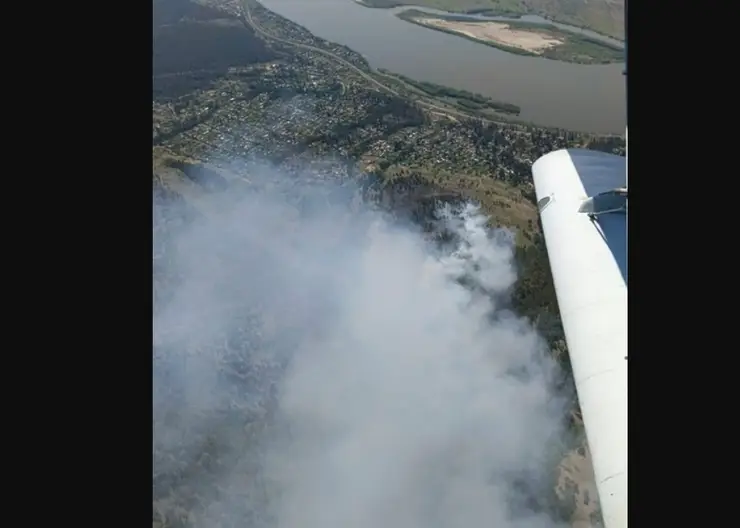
(583,208)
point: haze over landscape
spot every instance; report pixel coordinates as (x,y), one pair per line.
(354,319)
(563,93)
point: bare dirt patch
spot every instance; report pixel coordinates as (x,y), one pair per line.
(496,33)
(576,481)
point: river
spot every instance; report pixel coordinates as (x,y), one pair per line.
(589,98)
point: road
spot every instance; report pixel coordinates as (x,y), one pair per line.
(336,58)
(438,109)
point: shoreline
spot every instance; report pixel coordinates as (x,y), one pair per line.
(566,51)
(490,12)
(512,117)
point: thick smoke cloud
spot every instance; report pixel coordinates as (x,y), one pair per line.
(353,372)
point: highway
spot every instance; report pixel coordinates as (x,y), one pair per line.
(438,109)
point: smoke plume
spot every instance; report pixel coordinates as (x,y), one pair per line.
(321,365)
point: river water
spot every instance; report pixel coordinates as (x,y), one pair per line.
(589,98)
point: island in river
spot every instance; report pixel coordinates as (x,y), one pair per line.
(605,18)
(522,38)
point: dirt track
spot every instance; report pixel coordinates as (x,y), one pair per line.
(496,33)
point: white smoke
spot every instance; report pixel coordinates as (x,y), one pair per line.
(407,396)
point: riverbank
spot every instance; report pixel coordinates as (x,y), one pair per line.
(453,8)
(521,38)
(479,104)
(597,19)
(485,11)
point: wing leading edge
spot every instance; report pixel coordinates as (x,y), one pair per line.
(587,247)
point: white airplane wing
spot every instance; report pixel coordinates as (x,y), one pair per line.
(582,198)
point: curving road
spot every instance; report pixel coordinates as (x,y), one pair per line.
(343,62)
(440,110)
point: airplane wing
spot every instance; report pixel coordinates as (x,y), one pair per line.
(582,199)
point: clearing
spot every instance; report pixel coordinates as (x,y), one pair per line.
(496,33)
(576,485)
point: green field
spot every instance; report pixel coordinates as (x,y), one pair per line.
(462,98)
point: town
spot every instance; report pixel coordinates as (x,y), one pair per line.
(305,105)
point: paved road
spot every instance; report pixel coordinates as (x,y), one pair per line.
(440,110)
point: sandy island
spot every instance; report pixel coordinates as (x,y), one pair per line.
(495,33)
(576,476)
